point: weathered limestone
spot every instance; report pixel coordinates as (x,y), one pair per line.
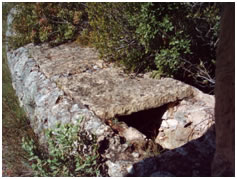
(187,120)
(106,90)
(46,104)
(10,32)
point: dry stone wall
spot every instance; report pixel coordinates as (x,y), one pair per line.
(67,83)
(46,104)
(48,97)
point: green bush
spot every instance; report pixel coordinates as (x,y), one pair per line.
(112,33)
(203,25)
(162,33)
(67,155)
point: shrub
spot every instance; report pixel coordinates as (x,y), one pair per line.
(203,22)
(71,152)
(113,34)
(48,22)
(161,31)
(174,39)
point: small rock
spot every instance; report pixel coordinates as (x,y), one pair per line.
(130,169)
(135,154)
(95,67)
(131,134)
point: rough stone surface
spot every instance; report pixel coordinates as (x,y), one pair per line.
(190,160)
(187,120)
(10,32)
(46,104)
(106,90)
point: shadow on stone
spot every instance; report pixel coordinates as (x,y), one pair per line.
(147,122)
(191,160)
(103,145)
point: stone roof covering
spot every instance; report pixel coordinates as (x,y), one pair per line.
(104,89)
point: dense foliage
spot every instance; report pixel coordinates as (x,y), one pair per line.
(170,39)
(49,22)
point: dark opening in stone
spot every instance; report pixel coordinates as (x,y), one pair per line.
(103,145)
(147,122)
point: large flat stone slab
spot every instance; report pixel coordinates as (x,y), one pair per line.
(103,88)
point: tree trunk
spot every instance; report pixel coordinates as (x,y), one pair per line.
(224,160)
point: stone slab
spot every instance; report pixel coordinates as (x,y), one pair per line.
(103,88)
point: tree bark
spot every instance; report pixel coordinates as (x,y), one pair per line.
(224,160)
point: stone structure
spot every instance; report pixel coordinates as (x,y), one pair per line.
(49,97)
(65,83)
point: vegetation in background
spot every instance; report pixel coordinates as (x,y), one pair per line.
(70,153)
(171,39)
(113,34)
(48,22)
